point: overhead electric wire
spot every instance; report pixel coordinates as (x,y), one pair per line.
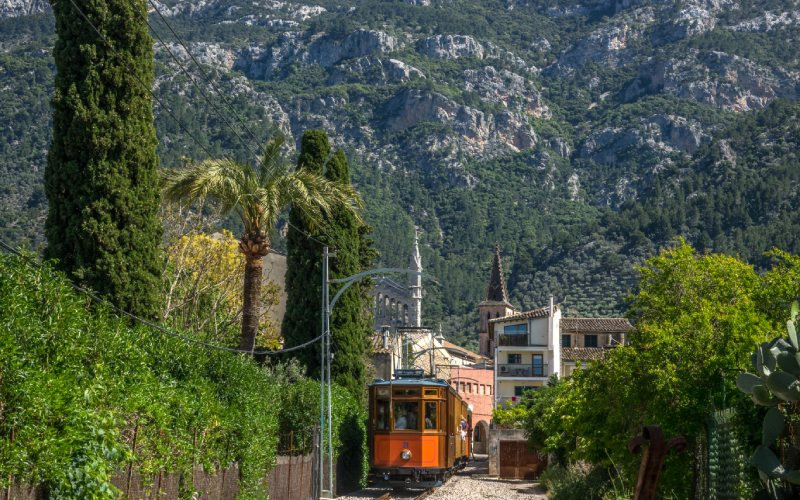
(166,108)
(145,86)
(159,327)
(216,89)
(201,90)
(200,67)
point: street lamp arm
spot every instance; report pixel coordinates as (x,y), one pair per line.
(423,351)
(356,277)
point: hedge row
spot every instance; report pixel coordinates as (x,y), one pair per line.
(77,382)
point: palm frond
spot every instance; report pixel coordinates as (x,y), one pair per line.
(272,163)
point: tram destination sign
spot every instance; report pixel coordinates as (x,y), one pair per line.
(409,373)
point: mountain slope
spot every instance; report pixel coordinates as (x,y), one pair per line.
(580,136)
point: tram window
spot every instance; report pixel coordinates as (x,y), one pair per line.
(430,415)
(382,416)
(405,415)
(383,392)
(406,392)
(430,392)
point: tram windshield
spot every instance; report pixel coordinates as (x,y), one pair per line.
(405,415)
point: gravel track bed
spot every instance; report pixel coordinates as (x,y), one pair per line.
(471,483)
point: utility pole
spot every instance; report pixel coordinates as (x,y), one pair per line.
(326,356)
(322,380)
(325,290)
(325,378)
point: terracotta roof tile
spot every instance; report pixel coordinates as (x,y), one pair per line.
(542,312)
(582,353)
(595,325)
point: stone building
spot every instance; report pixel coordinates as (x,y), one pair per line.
(528,347)
(399,339)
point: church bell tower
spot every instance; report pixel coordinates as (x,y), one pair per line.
(495,304)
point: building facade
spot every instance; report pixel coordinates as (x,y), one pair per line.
(532,346)
(526,351)
(589,339)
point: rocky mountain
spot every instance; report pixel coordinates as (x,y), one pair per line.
(581,136)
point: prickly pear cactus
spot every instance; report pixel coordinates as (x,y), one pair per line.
(775,384)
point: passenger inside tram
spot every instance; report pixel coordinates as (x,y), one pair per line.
(405,415)
(430,415)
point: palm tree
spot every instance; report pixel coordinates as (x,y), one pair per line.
(258,196)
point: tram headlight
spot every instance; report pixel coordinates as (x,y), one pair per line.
(406,454)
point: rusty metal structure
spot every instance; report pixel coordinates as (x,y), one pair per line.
(653,456)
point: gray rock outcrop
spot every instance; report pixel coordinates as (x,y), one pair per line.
(727,81)
(661,133)
(451,47)
(16,8)
(265,62)
(506,88)
(475,131)
(374,70)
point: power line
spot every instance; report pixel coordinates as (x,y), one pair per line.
(146,87)
(169,112)
(160,328)
(216,89)
(199,88)
(200,67)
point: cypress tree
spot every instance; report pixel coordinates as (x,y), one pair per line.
(302,320)
(101,179)
(351,319)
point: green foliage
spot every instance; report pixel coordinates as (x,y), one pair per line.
(509,416)
(302,320)
(351,319)
(695,314)
(775,385)
(299,402)
(258,196)
(76,384)
(101,178)
(582,480)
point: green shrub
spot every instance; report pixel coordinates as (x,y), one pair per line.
(76,383)
(580,480)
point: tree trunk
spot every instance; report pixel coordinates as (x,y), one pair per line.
(251,304)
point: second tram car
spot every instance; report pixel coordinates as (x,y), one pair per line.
(419,431)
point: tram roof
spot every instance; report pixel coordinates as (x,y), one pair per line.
(412,381)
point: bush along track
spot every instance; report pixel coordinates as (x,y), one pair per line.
(76,384)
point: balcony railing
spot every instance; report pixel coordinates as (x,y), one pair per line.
(516,340)
(519,370)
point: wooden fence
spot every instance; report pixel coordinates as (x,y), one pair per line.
(294,477)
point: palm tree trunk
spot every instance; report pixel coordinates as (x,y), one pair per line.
(251,304)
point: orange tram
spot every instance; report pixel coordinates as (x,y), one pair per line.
(419,431)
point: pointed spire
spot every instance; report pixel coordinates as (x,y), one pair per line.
(496,291)
(416,259)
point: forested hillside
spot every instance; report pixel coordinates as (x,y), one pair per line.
(580,136)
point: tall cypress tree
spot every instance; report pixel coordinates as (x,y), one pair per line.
(101,179)
(351,319)
(302,320)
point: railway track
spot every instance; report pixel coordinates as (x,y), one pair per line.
(388,495)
